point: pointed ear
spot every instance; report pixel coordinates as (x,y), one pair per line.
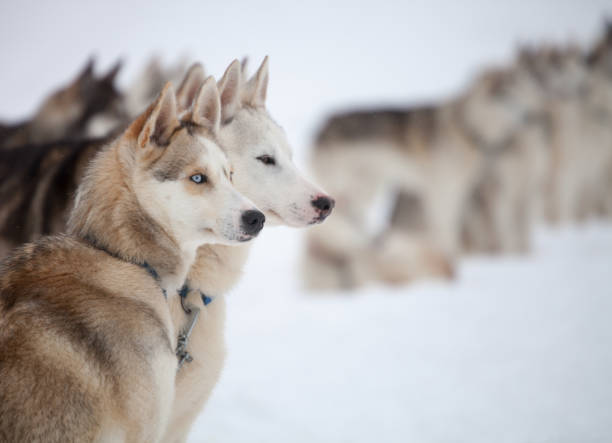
(161,119)
(258,86)
(85,79)
(190,86)
(87,73)
(244,64)
(206,109)
(110,76)
(230,88)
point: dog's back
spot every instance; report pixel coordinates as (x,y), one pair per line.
(89,372)
(396,126)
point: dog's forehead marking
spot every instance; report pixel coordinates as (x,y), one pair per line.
(184,150)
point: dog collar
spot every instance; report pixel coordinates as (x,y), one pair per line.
(192,312)
(144,265)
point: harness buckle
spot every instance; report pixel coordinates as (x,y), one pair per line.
(183,339)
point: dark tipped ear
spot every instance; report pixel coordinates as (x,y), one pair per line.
(190,86)
(230,88)
(244,65)
(111,75)
(88,70)
(86,75)
(161,121)
(206,109)
(258,86)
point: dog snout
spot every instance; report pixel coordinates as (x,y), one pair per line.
(252,221)
(324,205)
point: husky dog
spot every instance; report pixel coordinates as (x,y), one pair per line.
(87,337)
(263,171)
(507,121)
(579,140)
(360,154)
(599,107)
(71,112)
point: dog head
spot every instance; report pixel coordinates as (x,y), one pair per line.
(500,102)
(259,152)
(64,107)
(70,111)
(561,73)
(105,107)
(182,178)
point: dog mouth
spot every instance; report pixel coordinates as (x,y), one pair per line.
(318,219)
(245,238)
(298,223)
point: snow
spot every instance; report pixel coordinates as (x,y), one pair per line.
(515,350)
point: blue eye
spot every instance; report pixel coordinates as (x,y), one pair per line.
(198,178)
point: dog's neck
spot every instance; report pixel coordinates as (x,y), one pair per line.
(217,268)
(108,215)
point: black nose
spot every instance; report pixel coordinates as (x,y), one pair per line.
(324,205)
(252,222)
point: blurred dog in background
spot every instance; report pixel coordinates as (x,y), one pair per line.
(70,112)
(524,144)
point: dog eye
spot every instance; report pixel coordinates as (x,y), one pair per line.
(232,176)
(198,178)
(266,159)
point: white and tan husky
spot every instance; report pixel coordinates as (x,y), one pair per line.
(87,342)
(264,172)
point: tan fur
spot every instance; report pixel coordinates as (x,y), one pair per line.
(88,339)
(72,363)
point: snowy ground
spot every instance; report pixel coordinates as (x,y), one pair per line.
(516,350)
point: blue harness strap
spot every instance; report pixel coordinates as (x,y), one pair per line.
(153,273)
(192,312)
(147,267)
(206,299)
(184,292)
